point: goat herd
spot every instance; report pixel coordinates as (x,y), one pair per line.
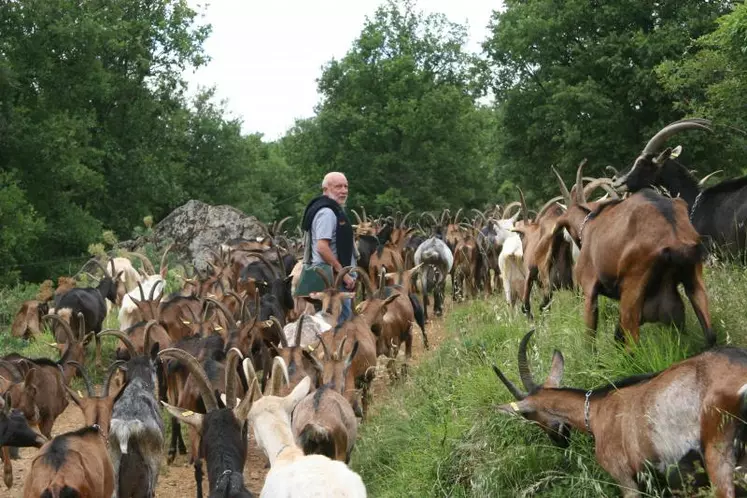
(233,349)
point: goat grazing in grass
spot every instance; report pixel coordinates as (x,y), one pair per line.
(696,407)
(636,250)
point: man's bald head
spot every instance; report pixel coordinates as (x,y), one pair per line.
(335,186)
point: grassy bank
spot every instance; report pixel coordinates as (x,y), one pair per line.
(438,434)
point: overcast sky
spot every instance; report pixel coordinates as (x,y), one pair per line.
(266,55)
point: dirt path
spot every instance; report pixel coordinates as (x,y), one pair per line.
(177,480)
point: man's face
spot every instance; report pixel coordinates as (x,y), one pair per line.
(337,189)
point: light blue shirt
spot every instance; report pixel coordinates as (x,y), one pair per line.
(324,226)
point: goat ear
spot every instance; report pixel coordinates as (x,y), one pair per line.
(297,394)
(186,416)
(665,154)
(522,407)
(74,396)
(555,376)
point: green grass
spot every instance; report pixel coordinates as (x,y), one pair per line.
(439,435)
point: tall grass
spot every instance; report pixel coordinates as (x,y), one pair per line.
(439,434)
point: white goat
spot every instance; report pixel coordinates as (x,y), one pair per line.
(511,265)
(293,474)
(129,314)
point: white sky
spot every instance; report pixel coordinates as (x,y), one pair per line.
(266,55)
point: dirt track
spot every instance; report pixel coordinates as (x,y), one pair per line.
(177,481)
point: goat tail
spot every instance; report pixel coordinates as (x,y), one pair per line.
(684,255)
(417,309)
(316,439)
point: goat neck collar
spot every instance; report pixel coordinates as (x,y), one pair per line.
(587,409)
(582,226)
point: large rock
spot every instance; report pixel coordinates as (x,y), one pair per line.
(197,228)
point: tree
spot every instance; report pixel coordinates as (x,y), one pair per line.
(575,80)
(397,116)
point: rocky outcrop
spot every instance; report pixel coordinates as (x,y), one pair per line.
(197,228)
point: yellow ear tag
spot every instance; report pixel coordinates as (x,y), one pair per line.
(514,406)
(217,327)
(311,348)
(80,394)
(185,322)
(188,413)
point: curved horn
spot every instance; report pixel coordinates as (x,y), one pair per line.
(122,337)
(509,207)
(224,310)
(563,188)
(341,275)
(707,177)
(112,369)
(524,212)
(433,217)
(658,140)
(357,216)
(524,371)
(404,219)
(232,361)
(278,375)
(281,263)
(456,216)
(299,329)
(580,197)
(65,327)
(327,356)
(611,169)
(365,216)
(143,260)
(86,378)
(280,224)
(267,262)
(338,354)
(194,367)
(283,339)
(517,394)
(363,277)
(479,214)
(605,183)
(147,341)
(163,256)
(548,205)
(153,289)
(324,278)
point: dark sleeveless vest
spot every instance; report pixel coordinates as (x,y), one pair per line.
(344,232)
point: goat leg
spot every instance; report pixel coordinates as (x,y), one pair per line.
(696,293)
(198,477)
(7,468)
(173,440)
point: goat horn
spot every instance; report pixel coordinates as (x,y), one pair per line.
(112,369)
(143,260)
(341,275)
(580,197)
(194,367)
(479,214)
(341,348)
(163,256)
(280,224)
(278,375)
(599,182)
(366,282)
(658,140)
(281,263)
(456,216)
(299,329)
(147,333)
(365,216)
(327,356)
(548,204)
(324,278)
(524,212)
(707,177)
(404,219)
(524,372)
(611,169)
(153,289)
(509,207)
(232,361)
(435,221)
(267,262)
(283,339)
(86,378)
(122,337)
(357,216)
(65,327)
(563,188)
(517,394)
(224,310)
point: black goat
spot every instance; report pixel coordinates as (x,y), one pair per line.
(718,213)
(223,429)
(91,302)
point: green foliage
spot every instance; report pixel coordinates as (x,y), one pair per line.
(398,109)
(439,435)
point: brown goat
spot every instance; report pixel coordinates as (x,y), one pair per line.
(97,410)
(27,320)
(695,406)
(635,250)
(72,464)
(324,421)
